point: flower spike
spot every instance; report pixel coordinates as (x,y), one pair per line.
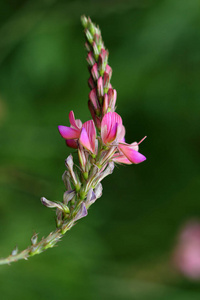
(100,144)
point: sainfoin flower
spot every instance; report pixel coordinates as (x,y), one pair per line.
(85,133)
(186,256)
(113,134)
(98,151)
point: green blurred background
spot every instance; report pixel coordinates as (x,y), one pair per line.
(123,249)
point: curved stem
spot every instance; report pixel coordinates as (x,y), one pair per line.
(32,250)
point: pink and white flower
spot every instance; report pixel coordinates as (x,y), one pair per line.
(113,134)
(85,133)
(186,256)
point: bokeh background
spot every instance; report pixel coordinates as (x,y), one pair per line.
(123,249)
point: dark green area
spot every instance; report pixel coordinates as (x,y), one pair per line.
(123,249)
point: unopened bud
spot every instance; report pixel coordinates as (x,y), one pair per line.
(106,81)
(100,87)
(90,59)
(91,26)
(109,71)
(97,38)
(104,55)
(88,36)
(112,97)
(84,21)
(94,71)
(93,98)
(91,83)
(94,114)
(95,50)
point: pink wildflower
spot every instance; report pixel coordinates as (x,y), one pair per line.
(186,256)
(113,133)
(85,133)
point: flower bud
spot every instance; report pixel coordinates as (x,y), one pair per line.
(112,97)
(91,26)
(104,55)
(90,59)
(95,50)
(81,213)
(84,21)
(94,71)
(100,87)
(91,83)
(106,81)
(109,71)
(88,36)
(94,113)
(93,98)
(97,39)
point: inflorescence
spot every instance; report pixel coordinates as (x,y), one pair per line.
(100,143)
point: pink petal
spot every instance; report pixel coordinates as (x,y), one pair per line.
(84,140)
(121,159)
(68,133)
(134,156)
(109,71)
(134,146)
(121,133)
(112,134)
(93,98)
(75,123)
(100,87)
(108,122)
(72,143)
(91,132)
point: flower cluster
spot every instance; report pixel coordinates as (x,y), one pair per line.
(100,143)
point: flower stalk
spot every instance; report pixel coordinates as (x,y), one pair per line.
(100,143)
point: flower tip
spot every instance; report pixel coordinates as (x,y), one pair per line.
(84,21)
